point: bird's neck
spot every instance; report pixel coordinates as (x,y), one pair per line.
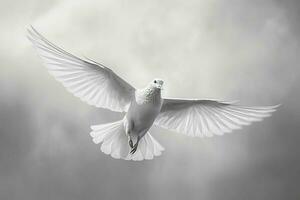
(148,95)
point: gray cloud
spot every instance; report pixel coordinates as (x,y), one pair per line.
(245,50)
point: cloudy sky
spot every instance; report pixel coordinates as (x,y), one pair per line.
(245,50)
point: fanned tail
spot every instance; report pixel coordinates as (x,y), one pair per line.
(115,142)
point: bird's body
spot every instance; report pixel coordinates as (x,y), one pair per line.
(143,109)
(129,138)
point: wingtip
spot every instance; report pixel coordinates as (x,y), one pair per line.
(33,33)
(30,32)
(278,105)
(274,107)
(29,28)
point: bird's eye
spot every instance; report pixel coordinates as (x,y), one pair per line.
(155,81)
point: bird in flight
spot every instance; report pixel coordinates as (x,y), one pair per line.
(129,138)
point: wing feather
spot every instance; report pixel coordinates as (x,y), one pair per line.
(205,118)
(92,82)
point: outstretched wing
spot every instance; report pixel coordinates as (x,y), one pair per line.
(207,117)
(90,81)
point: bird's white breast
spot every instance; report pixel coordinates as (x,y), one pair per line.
(143,111)
(145,96)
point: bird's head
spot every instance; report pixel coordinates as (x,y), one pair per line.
(157,83)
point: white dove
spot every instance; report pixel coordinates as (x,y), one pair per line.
(129,138)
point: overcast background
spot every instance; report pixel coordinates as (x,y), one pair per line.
(246,50)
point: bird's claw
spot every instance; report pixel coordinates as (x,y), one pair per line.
(130,143)
(134,148)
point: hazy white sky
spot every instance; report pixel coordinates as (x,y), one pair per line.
(219,47)
(246,50)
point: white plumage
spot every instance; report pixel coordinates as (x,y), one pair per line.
(205,118)
(129,138)
(114,142)
(91,82)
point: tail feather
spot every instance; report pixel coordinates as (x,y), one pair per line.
(115,142)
